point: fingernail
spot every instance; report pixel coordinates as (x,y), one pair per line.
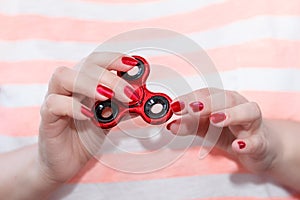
(87,112)
(105,91)
(177,106)
(196,106)
(129,61)
(217,117)
(169,125)
(241,144)
(130,93)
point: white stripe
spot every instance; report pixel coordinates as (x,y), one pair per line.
(123,143)
(257,79)
(265,79)
(261,27)
(22,95)
(9,143)
(135,139)
(225,185)
(231,185)
(44,50)
(103,11)
(244,79)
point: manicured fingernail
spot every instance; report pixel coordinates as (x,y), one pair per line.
(129,61)
(105,91)
(130,93)
(177,106)
(241,144)
(196,106)
(217,117)
(87,112)
(169,125)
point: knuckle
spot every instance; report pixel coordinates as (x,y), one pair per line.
(228,93)
(93,57)
(60,70)
(256,108)
(234,98)
(231,99)
(204,92)
(58,73)
(49,103)
(43,110)
(90,57)
(234,93)
(239,97)
(200,94)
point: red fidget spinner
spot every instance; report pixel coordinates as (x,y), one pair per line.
(143,106)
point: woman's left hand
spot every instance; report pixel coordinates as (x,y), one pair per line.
(244,132)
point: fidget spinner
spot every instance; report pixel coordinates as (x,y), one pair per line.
(110,112)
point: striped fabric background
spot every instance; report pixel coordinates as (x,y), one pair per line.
(254,44)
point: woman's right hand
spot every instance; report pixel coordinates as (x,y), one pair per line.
(70,94)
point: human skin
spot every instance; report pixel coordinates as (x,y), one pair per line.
(261,145)
(40,169)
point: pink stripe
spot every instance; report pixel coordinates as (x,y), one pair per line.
(19,121)
(40,71)
(27,118)
(266,53)
(276,105)
(66,29)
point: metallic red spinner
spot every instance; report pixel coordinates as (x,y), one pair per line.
(110,112)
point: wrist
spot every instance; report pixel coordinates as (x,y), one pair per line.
(275,147)
(26,174)
(40,185)
(41,176)
(285,165)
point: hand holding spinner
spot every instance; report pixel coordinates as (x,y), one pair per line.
(143,106)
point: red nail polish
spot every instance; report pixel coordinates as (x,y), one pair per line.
(241,144)
(129,61)
(196,106)
(105,91)
(130,93)
(177,106)
(169,125)
(217,117)
(87,112)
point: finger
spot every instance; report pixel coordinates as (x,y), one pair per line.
(123,90)
(255,145)
(56,106)
(110,61)
(66,81)
(205,101)
(246,115)
(183,126)
(98,65)
(180,105)
(188,125)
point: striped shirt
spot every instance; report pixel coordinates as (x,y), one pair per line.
(254,45)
